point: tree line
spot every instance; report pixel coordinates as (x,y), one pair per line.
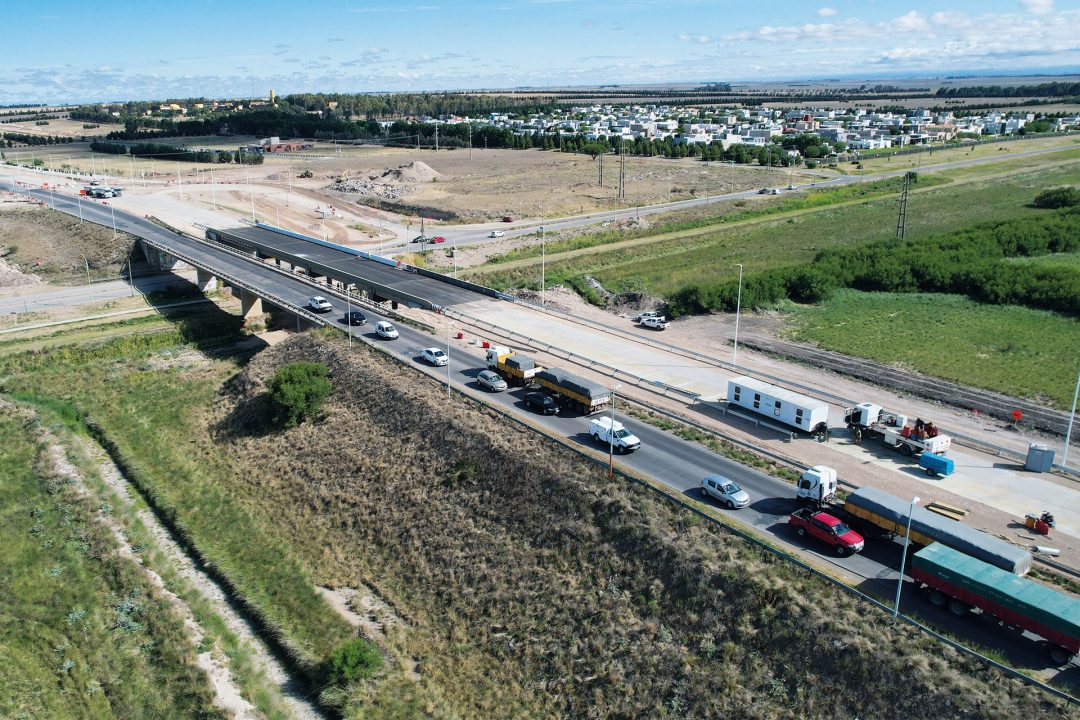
(977,262)
(13,137)
(155,151)
(1051,89)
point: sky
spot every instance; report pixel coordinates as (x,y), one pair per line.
(112,50)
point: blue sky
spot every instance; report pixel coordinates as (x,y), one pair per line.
(102,50)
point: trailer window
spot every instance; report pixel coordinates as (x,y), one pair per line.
(737,391)
(776,408)
(757,401)
(798,417)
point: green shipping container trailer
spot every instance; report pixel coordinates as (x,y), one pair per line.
(963,582)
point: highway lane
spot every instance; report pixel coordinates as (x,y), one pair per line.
(665,457)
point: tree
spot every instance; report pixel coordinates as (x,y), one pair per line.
(297,392)
(595,149)
(1057,198)
(353,660)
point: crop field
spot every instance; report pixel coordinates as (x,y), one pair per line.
(82,633)
(662,267)
(515,581)
(886,161)
(1014,350)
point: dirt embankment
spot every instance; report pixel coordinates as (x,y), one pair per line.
(530,586)
(51,245)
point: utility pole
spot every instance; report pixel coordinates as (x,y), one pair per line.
(470,141)
(622,173)
(901,220)
(601,170)
(436,138)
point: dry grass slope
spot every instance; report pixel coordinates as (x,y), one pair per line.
(530,586)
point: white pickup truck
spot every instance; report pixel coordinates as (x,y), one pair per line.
(613,434)
(656,322)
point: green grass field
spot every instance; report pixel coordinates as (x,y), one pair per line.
(82,632)
(665,266)
(130,387)
(1014,350)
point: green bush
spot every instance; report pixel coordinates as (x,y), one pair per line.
(353,660)
(297,392)
(1057,198)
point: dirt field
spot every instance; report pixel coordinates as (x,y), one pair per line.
(50,245)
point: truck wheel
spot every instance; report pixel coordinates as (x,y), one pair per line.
(957,608)
(730,505)
(840,550)
(800,531)
(596,438)
(906,450)
(931,472)
(937,598)
(1059,654)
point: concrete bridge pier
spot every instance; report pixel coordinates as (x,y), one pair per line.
(251,308)
(206,281)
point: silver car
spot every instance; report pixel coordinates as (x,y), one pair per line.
(724,490)
(434,356)
(491,380)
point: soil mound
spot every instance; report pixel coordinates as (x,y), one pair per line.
(417,171)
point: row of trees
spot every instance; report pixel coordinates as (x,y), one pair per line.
(13,137)
(155,151)
(1051,89)
(975,262)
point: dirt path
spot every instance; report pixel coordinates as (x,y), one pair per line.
(213,662)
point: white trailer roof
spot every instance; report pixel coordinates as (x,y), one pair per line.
(778,392)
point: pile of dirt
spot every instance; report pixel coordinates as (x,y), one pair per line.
(530,585)
(633,303)
(12,276)
(392,184)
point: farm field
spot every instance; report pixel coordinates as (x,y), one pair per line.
(83,633)
(481,603)
(1014,350)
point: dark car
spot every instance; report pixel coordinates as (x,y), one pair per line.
(542,403)
(356,318)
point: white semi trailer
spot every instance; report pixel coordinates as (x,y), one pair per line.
(779,405)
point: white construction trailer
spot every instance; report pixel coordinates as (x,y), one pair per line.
(779,405)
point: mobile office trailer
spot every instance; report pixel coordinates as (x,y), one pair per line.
(963,582)
(794,410)
(890,514)
(573,391)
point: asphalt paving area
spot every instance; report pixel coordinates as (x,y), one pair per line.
(995,492)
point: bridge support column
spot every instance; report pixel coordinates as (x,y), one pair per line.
(206,281)
(158,259)
(251,309)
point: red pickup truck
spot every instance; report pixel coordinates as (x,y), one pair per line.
(828,529)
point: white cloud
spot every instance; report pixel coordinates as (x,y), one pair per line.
(912,22)
(703,39)
(826,12)
(1038,7)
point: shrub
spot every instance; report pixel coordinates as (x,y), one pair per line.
(353,660)
(1057,198)
(297,392)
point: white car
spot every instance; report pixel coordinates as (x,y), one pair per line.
(434,356)
(724,490)
(320,304)
(385,330)
(496,233)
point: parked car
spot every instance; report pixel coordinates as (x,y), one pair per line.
(438,239)
(496,233)
(656,322)
(356,317)
(320,304)
(542,403)
(385,330)
(724,490)
(647,314)
(828,529)
(491,380)
(434,356)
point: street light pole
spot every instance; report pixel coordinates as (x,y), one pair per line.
(903,558)
(113,209)
(1072,416)
(543,258)
(448,326)
(738,307)
(89,285)
(348,311)
(611,437)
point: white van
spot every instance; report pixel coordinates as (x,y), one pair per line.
(385,330)
(613,434)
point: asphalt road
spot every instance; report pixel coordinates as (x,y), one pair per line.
(667,458)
